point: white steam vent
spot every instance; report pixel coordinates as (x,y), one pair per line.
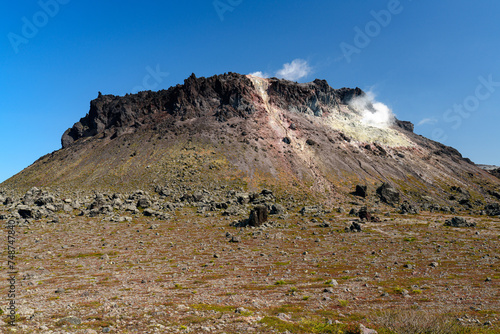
(373,113)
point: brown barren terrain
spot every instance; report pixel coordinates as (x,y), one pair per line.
(183,275)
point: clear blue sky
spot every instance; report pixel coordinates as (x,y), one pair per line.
(430,61)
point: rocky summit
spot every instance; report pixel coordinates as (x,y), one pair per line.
(237,204)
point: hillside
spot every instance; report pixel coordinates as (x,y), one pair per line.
(306,140)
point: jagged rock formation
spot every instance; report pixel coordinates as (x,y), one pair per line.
(495,172)
(245,132)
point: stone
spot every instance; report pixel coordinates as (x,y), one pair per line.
(492,209)
(243,198)
(309,210)
(355,227)
(408,208)
(333,282)
(25,211)
(459,222)
(235,239)
(241,310)
(149,212)
(277,209)
(388,194)
(361,191)
(90,331)
(258,216)
(143,203)
(365,330)
(310,142)
(364,214)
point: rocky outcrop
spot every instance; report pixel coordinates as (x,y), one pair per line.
(405,125)
(495,172)
(220,97)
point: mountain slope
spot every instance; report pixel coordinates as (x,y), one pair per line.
(248,132)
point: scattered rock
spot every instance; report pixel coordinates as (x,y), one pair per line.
(459,222)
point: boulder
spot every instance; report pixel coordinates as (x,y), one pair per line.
(307,210)
(361,191)
(243,198)
(459,222)
(364,214)
(355,227)
(277,209)
(408,208)
(258,216)
(492,209)
(8,201)
(143,203)
(492,193)
(26,212)
(388,194)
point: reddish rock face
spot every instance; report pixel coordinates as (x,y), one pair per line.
(219,97)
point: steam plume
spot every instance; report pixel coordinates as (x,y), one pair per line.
(373,113)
